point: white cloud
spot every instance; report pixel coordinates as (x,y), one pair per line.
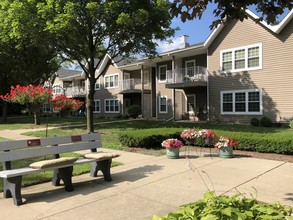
(164,46)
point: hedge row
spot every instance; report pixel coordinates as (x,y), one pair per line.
(264,143)
(148,138)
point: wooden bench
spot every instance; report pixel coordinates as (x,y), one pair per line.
(63,167)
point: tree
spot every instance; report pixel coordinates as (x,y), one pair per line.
(89,29)
(27,53)
(227,10)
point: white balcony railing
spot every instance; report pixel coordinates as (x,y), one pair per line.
(190,74)
(130,84)
(75,91)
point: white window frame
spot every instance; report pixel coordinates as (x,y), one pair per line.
(246,68)
(95,104)
(115,84)
(194,65)
(159,73)
(160,111)
(109,100)
(246,91)
(47,107)
(57,89)
(98,85)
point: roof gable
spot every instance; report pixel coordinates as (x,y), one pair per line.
(274,28)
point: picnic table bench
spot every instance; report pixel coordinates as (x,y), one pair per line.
(62,166)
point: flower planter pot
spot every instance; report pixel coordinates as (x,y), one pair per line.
(173,153)
(226,152)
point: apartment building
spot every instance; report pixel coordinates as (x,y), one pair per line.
(242,70)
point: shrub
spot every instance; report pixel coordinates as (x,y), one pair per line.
(264,143)
(291,124)
(148,138)
(225,207)
(134,111)
(254,122)
(265,122)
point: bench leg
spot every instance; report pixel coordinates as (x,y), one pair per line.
(12,188)
(104,166)
(64,174)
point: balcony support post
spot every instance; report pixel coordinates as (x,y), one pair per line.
(142,91)
(174,92)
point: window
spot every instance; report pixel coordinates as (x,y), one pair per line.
(112,106)
(97,106)
(111,81)
(57,89)
(163,73)
(97,84)
(47,107)
(163,104)
(241,102)
(239,59)
(190,68)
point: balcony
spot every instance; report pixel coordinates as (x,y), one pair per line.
(75,91)
(132,86)
(187,77)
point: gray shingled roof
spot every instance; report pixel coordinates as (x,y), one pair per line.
(64,73)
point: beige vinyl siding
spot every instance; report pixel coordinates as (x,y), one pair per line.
(275,78)
(180,104)
(162,91)
(200,60)
(111,93)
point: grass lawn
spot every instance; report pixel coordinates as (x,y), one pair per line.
(110,130)
(26,122)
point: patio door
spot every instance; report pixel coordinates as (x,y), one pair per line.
(191,104)
(126,81)
(190,68)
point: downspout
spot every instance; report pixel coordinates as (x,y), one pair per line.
(174,92)
(208,88)
(121,89)
(142,91)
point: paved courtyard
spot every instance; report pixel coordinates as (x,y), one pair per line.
(147,185)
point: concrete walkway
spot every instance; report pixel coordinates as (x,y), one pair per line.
(147,185)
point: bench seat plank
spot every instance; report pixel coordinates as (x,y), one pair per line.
(27,170)
(36,152)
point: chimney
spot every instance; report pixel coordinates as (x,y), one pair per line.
(183,42)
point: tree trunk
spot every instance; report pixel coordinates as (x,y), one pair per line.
(89,112)
(4,112)
(37,117)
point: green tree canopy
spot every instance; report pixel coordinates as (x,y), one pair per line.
(89,29)
(227,10)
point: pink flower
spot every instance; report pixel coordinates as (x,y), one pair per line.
(189,134)
(226,142)
(27,94)
(172,143)
(61,102)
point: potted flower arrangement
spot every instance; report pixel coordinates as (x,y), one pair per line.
(172,147)
(65,105)
(209,137)
(189,135)
(33,96)
(226,145)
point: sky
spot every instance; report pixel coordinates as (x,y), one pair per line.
(197,30)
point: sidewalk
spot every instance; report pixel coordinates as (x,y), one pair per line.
(147,185)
